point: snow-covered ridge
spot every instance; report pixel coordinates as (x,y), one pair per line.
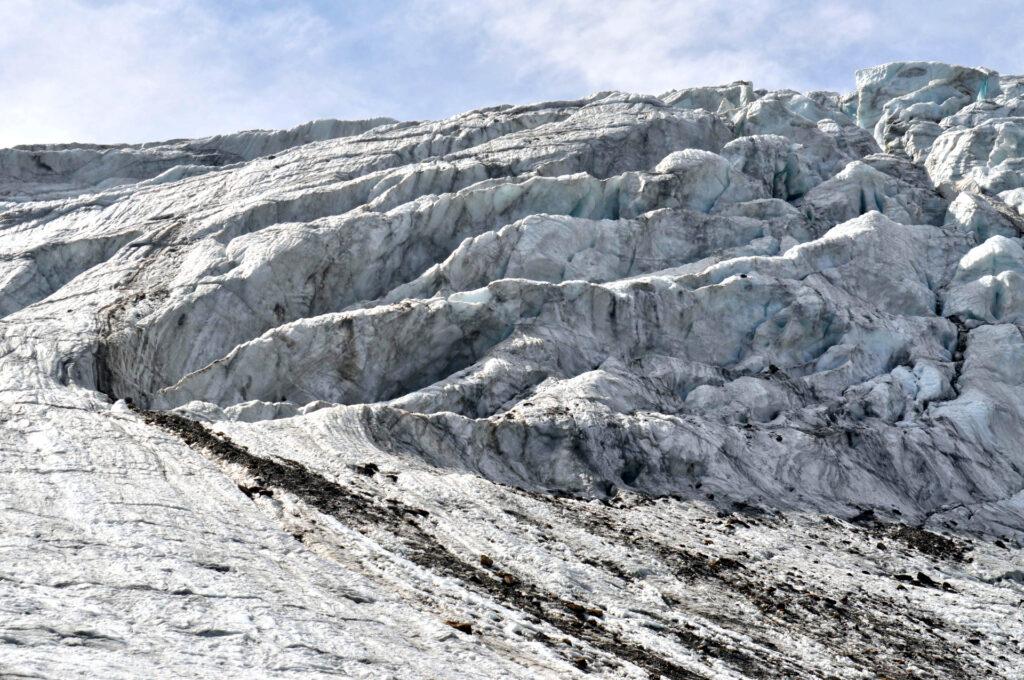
(695,385)
(48,171)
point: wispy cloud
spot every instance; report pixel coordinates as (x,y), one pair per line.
(135,70)
(131,71)
(655,45)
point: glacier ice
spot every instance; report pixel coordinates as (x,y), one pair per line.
(718,383)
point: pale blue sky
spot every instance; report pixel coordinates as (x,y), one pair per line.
(139,70)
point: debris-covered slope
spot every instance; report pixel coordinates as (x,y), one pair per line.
(721,383)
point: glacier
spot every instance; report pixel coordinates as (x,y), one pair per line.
(719,383)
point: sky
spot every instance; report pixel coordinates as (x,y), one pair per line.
(110,71)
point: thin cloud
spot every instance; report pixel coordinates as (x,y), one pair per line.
(655,45)
(141,70)
(135,71)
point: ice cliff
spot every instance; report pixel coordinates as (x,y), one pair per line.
(721,383)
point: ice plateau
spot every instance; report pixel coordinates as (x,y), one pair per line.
(721,383)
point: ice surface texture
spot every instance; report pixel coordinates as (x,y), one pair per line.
(721,383)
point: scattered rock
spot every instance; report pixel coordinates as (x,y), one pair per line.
(460,626)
